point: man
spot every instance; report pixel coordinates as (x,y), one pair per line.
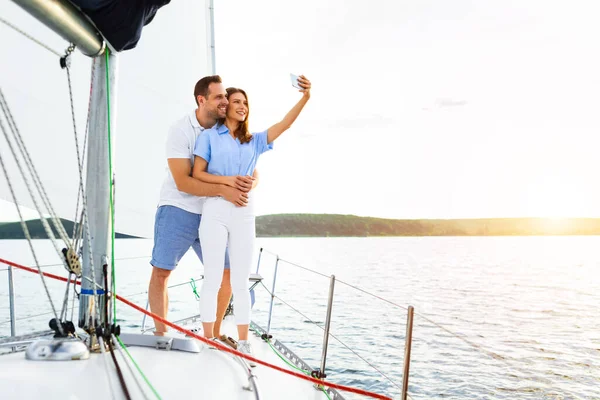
(181,200)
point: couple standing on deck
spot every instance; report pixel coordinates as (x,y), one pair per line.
(206,203)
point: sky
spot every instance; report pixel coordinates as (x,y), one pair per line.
(420,109)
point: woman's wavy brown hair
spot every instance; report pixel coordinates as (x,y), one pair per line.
(242,132)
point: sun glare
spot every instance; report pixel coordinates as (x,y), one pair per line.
(555,200)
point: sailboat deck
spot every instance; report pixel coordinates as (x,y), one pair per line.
(210,374)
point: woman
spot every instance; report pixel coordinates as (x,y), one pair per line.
(227,154)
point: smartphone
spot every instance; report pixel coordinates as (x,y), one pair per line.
(294,79)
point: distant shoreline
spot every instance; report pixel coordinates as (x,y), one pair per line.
(336,225)
(13,230)
(333,225)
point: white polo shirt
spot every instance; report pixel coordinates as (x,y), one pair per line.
(180,144)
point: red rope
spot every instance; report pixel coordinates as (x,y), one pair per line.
(215,344)
(35,271)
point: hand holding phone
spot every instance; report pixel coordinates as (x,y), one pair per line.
(294,79)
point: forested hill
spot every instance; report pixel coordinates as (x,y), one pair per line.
(350,225)
(13,230)
(321,225)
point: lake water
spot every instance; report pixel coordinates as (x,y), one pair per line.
(495,317)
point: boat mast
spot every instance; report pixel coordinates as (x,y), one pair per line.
(210,24)
(99,182)
(72,25)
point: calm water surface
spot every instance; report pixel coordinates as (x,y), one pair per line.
(496,317)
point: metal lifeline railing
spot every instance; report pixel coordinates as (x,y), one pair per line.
(11,297)
(320,373)
(326,330)
(327,324)
(17,343)
(20,341)
(326,335)
(409,328)
(381,373)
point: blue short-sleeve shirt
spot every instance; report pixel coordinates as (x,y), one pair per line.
(225,155)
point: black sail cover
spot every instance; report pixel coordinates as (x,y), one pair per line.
(121,21)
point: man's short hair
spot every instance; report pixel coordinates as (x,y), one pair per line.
(201,88)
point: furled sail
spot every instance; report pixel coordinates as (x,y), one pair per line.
(121,21)
(154,89)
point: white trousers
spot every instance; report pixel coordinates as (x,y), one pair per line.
(223,224)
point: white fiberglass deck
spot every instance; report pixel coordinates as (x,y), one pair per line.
(210,374)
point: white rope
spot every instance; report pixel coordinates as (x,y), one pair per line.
(29,37)
(75,294)
(77,221)
(64,310)
(57,223)
(129,367)
(33,172)
(106,367)
(24,225)
(41,190)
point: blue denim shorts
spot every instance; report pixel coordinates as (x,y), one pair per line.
(175,231)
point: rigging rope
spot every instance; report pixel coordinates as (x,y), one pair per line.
(23,224)
(30,37)
(74,239)
(81,163)
(118,368)
(71,244)
(75,294)
(35,177)
(77,228)
(64,310)
(79,222)
(124,348)
(107,367)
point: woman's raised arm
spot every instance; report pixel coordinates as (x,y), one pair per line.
(276,130)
